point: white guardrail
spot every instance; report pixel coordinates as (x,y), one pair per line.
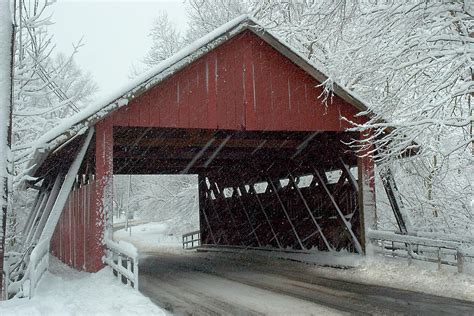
(122,257)
(24,271)
(440,251)
(192,240)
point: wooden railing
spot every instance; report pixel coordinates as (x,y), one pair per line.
(192,240)
(438,251)
(123,259)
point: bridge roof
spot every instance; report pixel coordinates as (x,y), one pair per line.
(77,125)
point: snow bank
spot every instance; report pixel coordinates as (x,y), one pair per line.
(64,291)
(150,237)
(396,273)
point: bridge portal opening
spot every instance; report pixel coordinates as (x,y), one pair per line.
(154,211)
(287,190)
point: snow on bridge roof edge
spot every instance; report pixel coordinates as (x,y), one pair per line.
(80,122)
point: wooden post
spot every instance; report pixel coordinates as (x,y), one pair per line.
(220,195)
(460,257)
(202,208)
(100,215)
(368,214)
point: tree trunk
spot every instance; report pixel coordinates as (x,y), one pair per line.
(6,63)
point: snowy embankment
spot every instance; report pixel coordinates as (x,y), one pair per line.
(396,273)
(64,291)
(151,237)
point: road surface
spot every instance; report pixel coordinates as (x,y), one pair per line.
(196,283)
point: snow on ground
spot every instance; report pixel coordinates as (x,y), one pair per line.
(151,237)
(64,291)
(417,276)
(397,273)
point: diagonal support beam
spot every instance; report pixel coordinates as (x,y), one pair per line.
(247,215)
(341,215)
(286,213)
(347,172)
(394,198)
(320,231)
(255,194)
(65,189)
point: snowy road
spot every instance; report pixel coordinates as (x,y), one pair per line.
(214,284)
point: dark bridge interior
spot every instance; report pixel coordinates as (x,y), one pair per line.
(257,189)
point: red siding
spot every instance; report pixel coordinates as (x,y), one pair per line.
(73,230)
(242,84)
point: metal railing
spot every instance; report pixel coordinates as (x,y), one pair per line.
(123,259)
(438,251)
(192,240)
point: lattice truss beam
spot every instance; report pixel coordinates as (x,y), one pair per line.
(316,210)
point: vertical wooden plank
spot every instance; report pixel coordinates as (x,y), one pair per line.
(261,81)
(198,95)
(307,110)
(169,109)
(221,87)
(203,92)
(90,219)
(67,231)
(154,106)
(183,82)
(61,237)
(267,95)
(121,116)
(211,88)
(250,121)
(146,110)
(233,121)
(239,83)
(99,225)
(133,109)
(74,228)
(85,216)
(79,229)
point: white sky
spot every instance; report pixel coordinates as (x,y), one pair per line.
(115,34)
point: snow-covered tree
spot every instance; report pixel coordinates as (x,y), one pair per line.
(47,87)
(6,35)
(205,16)
(171,199)
(166,40)
(411,62)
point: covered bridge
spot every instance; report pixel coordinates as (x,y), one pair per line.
(246,113)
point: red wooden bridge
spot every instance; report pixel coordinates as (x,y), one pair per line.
(247,114)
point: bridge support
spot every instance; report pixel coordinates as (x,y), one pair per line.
(260,210)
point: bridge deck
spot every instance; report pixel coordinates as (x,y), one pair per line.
(210,284)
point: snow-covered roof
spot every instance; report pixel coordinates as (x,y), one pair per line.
(79,123)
